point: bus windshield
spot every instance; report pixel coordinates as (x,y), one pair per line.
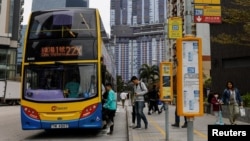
(63,24)
(61,82)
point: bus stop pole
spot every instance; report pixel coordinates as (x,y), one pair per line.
(190,128)
(166,121)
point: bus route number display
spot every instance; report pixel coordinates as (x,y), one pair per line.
(53,51)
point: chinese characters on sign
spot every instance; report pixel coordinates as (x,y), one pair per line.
(175,27)
(53,51)
(166,81)
(207,11)
(207,1)
(190,75)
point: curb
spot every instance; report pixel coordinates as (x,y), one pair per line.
(129,132)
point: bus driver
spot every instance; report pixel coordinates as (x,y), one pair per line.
(72,88)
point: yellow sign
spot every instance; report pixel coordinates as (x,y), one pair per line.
(207,1)
(208,10)
(175,27)
(189,77)
(166,81)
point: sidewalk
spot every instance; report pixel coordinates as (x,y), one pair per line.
(156,128)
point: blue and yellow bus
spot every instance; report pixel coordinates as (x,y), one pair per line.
(65,65)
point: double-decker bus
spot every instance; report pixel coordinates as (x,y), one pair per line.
(65,64)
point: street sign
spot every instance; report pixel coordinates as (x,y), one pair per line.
(175,27)
(207,19)
(207,1)
(166,81)
(189,77)
(207,14)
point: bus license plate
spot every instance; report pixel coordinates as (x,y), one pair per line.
(59,126)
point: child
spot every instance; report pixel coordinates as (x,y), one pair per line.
(216,104)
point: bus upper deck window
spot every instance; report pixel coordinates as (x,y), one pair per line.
(62,20)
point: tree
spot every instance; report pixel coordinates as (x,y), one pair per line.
(120,83)
(149,73)
(235,27)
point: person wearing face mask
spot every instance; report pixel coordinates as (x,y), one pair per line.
(216,106)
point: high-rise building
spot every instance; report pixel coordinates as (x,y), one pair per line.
(11,17)
(51,4)
(137,29)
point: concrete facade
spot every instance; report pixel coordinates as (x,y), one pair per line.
(10,15)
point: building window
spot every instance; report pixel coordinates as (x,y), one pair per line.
(7,64)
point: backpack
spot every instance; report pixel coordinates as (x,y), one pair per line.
(146,97)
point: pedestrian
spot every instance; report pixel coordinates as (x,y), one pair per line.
(104,110)
(133,116)
(209,104)
(231,97)
(153,100)
(177,120)
(216,106)
(123,97)
(110,105)
(139,90)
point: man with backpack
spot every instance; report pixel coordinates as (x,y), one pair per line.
(140,90)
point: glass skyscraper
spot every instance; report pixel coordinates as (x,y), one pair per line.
(137,28)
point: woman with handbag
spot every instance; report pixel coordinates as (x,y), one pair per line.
(232,98)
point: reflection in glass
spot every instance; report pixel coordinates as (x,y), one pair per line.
(60,82)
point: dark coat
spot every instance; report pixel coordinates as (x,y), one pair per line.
(215,104)
(226,96)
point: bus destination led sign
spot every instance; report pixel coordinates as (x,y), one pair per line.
(53,51)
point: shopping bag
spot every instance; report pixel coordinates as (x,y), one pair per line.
(242,112)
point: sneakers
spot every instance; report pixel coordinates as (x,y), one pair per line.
(184,125)
(176,125)
(110,124)
(132,125)
(109,133)
(136,127)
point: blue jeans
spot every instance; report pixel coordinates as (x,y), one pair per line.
(139,106)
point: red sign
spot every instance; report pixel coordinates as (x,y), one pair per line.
(207,19)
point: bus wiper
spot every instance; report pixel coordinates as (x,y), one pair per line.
(84,21)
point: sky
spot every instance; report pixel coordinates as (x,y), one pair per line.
(102,5)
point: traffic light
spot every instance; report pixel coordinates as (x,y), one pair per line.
(193,28)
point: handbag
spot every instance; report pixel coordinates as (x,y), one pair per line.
(242,112)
